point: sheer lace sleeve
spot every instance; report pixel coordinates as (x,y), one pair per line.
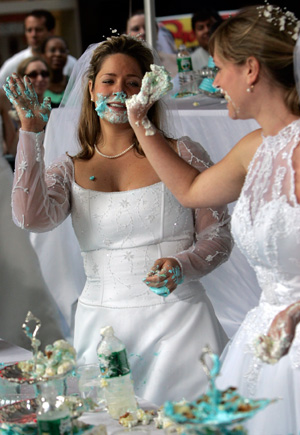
(40,198)
(213,241)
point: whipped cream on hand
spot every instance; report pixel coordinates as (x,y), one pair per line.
(32,114)
(155,84)
(271,347)
(269,350)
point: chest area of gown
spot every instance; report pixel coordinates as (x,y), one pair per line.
(116,220)
(271,239)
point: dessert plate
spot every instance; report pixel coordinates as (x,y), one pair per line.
(13,373)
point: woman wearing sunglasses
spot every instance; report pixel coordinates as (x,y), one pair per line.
(37,70)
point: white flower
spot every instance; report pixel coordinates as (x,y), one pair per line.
(23,165)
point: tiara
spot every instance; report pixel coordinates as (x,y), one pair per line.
(284,19)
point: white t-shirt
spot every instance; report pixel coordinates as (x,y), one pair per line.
(11,64)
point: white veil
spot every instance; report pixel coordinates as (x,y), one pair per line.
(61,131)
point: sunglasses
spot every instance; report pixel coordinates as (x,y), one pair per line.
(34,74)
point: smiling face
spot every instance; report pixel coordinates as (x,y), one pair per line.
(56,53)
(119,78)
(38,73)
(231,79)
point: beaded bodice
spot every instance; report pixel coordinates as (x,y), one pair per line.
(266,227)
(266,219)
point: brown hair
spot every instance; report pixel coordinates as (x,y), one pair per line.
(25,62)
(89,129)
(251,33)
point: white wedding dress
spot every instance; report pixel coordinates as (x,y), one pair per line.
(266,227)
(121,234)
(22,287)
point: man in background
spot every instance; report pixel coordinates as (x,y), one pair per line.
(165,43)
(39,24)
(203,22)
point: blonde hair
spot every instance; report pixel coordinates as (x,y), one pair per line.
(89,129)
(251,33)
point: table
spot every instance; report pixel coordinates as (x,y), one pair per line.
(11,353)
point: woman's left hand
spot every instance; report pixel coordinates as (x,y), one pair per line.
(156,83)
(164,276)
(280,335)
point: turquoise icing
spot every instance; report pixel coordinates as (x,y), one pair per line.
(216,408)
(29,113)
(105,112)
(162,291)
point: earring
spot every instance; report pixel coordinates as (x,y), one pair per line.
(250,90)
(92,100)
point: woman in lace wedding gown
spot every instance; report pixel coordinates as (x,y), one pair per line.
(21,284)
(125,220)
(262,172)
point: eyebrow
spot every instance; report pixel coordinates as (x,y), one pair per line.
(114,75)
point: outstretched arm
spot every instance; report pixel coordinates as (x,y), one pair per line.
(217,186)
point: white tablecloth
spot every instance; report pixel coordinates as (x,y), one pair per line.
(232,287)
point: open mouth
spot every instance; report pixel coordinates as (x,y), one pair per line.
(117,106)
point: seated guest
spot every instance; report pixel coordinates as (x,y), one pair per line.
(203,22)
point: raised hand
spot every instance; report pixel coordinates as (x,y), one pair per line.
(33,115)
(164,276)
(155,85)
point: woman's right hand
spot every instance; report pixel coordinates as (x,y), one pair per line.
(33,115)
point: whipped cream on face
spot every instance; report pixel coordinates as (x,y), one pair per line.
(229,100)
(108,107)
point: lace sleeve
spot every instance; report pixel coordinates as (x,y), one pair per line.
(213,241)
(40,198)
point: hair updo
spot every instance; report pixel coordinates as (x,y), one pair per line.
(269,34)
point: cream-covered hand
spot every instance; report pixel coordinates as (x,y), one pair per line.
(271,347)
(33,115)
(164,276)
(155,84)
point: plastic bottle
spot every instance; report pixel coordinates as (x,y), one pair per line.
(53,415)
(116,374)
(185,70)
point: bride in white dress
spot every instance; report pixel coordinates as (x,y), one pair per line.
(22,287)
(262,173)
(142,251)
